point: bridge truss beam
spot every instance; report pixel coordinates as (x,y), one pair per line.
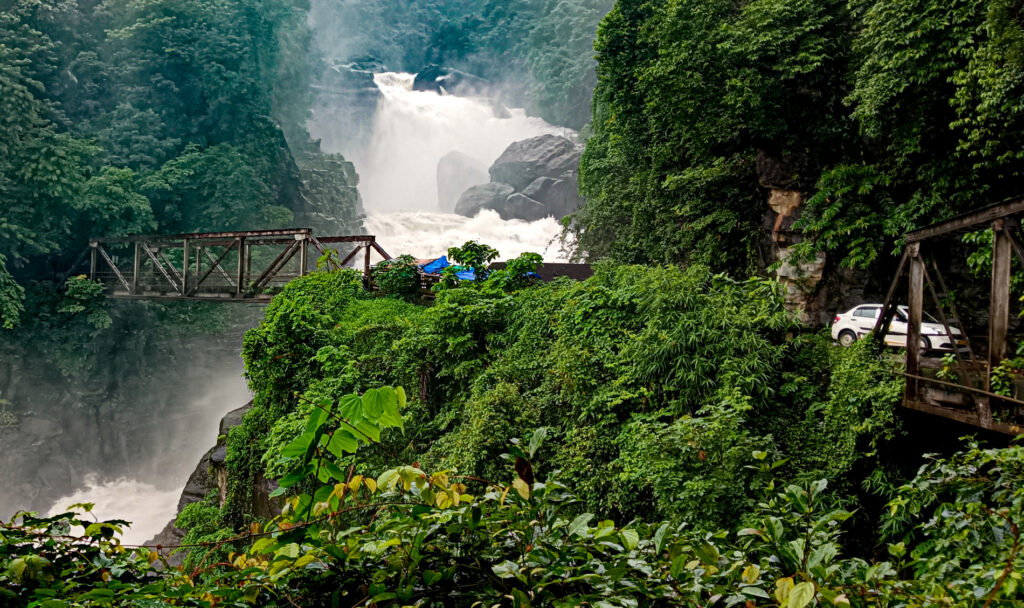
(245,266)
(969,397)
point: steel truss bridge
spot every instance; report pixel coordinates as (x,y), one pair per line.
(969,396)
(219,266)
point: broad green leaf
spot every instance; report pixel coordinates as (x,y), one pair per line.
(578,527)
(342,442)
(388,479)
(370,432)
(506,569)
(352,408)
(303,561)
(659,538)
(707,553)
(334,470)
(430,577)
(400,392)
(373,404)
(537,439)
(318,416)
(290,550)
(801,595)
(298,447)
(630,538)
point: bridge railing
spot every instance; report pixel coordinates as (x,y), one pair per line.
(224,266)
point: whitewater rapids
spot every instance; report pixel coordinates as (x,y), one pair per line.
(397,166)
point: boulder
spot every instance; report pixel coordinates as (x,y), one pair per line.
(544,156)
(485,196)
(456,173)
(444,80)
(559,196)
(521,207)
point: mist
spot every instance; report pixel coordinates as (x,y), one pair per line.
(127,441)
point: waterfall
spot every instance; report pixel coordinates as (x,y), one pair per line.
(398,162)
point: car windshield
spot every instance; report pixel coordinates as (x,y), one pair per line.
(902,312)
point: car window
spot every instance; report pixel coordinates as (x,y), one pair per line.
(866,313)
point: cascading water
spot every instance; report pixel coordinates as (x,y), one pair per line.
(397,165)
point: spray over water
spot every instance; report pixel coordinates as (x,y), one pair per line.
(411,132)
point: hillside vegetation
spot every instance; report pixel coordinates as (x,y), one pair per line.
(889,114)
(663,434)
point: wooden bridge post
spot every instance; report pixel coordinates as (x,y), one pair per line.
(136,269)
(302,256)
(916,305)
(93,255)
(240,278)
(184,270)
(999,315)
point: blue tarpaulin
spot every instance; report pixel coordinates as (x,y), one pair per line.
(441,263)
(436,266)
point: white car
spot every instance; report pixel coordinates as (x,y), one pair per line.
(860,321)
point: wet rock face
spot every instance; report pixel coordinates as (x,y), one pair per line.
(456,173)
(486,196)
(533,179)
(440,79)
(545,156)
(211,474)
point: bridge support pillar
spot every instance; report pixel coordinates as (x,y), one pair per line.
(915,303)
(186,262)
(999,314)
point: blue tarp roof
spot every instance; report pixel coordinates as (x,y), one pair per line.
(441,263)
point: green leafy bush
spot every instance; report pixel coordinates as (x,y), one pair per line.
(398,277)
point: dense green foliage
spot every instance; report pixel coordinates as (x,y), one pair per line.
(888,114)
(545,44)
(432,542)
(137,116)
(398,277)
(672,380)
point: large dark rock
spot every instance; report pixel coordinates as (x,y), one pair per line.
(444,80)
(533,179)
(456,173)
(544,156)
(559,196)
(486,196)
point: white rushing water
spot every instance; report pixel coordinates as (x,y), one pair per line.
(397,166)
(148,498)
(147,507)
(429,235)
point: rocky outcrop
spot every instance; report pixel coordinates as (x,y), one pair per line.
(545,156)
(485,196)
(456,173)
(212,474)
(444,80)
(533,179)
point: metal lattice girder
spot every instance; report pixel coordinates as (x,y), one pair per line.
(969,397)
(221,266)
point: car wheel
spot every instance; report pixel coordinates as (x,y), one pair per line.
(847,338)
(926,345)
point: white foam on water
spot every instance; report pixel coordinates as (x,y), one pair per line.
(429,235)
(146,507)
(413,130)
